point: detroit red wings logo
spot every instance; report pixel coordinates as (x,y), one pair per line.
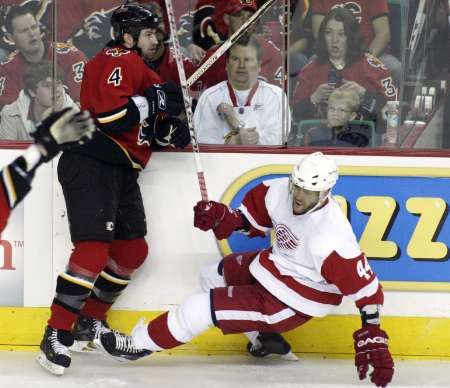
(284,238)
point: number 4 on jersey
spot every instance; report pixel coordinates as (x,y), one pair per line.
(364,269)
(115,77)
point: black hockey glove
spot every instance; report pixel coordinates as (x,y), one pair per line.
(61,130)
(165,98)
(171,131)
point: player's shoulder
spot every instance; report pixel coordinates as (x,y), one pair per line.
(10,58)
(117,56)
(277,186)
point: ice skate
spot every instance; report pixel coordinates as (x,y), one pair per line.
(85,331)
(54,355)
(268,344)
(120,346)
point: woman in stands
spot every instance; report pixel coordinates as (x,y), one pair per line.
(342,62)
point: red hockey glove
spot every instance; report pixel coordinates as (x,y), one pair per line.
(371,348)
(218,217)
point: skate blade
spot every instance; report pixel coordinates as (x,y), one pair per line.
(289,357)
(85,347)
(54,369)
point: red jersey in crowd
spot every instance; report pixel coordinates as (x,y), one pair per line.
(110,79)
(14,67)
(271,66)
(166,67)
(365,11)
(368,71)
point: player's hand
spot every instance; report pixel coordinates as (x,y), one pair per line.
(171,131)
(61,130)
(218,217)
(165,98)
(371,348)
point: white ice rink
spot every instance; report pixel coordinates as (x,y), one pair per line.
(19,370)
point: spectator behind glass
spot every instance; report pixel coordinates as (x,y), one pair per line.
(337,131)
(241,110)
(35,103)
(342,63)
(374,21)
(23,30)
(234,13)
(157,54)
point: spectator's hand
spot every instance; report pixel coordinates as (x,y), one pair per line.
(218,217)
(360,90)
(61,130)
(371,348)
(196,53)
(173,132)
(321,94)
(166,98)
(249,136)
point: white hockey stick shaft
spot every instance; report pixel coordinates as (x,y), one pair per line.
(187,99)
(229,42)
(417,29)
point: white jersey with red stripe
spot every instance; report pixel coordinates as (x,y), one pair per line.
(315,259)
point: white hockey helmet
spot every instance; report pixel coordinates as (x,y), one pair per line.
(315,172)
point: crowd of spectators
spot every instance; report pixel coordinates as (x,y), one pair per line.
(336,48)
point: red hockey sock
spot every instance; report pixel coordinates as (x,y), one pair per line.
(95,308)
(61,318)
(159,332)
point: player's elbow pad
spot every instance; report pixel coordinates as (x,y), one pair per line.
(122,119)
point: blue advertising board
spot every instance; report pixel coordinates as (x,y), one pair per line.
(399,215)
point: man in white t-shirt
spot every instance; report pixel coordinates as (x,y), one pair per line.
(243,109)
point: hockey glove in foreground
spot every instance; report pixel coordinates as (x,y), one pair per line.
(165,98)
(371,348)
(171,131)
(61,130)
(218,217)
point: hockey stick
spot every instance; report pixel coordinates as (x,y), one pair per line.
(229,42)
(416,31)
(187,99)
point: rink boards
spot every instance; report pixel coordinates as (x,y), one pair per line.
(400,216)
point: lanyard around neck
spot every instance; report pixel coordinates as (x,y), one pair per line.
(249,98)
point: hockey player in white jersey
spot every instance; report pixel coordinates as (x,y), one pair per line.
(313,263)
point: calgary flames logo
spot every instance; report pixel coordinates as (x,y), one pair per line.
(116,52)
(355,8)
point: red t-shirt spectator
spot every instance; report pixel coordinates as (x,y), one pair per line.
(13,68)
(365,11)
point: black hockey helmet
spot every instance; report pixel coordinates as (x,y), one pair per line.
(132,18)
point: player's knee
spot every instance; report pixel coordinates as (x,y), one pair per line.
(128,255)
(191,318)
(211,276)
(89,257)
